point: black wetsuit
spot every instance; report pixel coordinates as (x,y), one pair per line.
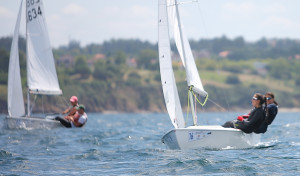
(255,119)
(272,112)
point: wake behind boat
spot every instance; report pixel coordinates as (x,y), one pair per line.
(194,136)
(41,71)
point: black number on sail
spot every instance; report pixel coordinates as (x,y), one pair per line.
(34,12)
(39,10)
(29,16)
(32,2)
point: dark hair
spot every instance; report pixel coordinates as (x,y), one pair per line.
(260,97)
(271,95)
(266,106)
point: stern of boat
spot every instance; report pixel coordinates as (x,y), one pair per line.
(30,123)
(213,137)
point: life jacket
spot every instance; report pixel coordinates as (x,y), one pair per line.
(78,116)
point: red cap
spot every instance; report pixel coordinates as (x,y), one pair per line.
(73,99)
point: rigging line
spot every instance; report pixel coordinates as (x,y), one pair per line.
(195,102)
(217,104)
(34,102)
(207,35)
(227,103)
(202,104)
(202,19)
(187,111)
(43,104)
(66,102)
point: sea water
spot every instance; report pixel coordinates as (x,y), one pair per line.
(130,144)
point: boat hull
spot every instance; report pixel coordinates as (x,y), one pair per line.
(214,137)
(31,123)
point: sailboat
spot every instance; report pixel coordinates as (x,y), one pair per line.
(41,71)
(194,136)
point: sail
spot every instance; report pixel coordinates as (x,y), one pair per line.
(15,102)
(166,71)
(184,49)
(41,72)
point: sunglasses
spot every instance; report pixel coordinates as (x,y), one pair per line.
(268,98)
(254,98)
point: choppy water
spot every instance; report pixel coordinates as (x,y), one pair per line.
(130,144)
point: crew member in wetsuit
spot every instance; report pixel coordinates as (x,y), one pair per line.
(271,110)
(256,116)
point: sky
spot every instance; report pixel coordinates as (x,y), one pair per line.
(96,21)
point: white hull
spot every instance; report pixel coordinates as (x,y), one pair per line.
(31,123)
(214,137)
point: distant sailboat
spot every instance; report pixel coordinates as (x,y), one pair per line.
(194,136)
(41,71)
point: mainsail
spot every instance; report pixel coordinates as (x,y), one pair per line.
(166,71)
(41,72)
(184,49)
(15,102)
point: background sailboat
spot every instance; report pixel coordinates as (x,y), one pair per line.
(41,72)
(195,136)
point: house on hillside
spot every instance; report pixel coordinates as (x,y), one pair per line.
(131,62)
(66,61)
(224,54)
(96,58)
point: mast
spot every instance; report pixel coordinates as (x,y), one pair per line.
(28,95)
(184,55)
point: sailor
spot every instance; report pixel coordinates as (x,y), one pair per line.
(79,119)
(71,111)
(256,117)
(271,110)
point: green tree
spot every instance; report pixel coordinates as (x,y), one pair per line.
(105,70)
(4,60)
(147,59)
(232,79)
(280,69)
(120,58)
(134,79)
(82,67)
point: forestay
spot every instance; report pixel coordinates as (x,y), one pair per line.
(184,49)
(166,71)
(41,72)
(15,102)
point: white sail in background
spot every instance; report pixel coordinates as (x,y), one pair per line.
(41,72)
(15,102)
(166,71)
(184,50)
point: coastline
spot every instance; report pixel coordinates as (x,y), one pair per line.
(208,111)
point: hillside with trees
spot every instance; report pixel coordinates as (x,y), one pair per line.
(123,75)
